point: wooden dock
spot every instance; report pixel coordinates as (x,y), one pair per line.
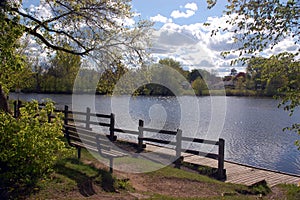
(237,173)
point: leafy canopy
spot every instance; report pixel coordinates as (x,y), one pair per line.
(261,24)
(11,63)
(92,27)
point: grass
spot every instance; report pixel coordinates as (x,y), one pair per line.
(292,191)
(73,175)
(75,179)
(160,197)
(220,187)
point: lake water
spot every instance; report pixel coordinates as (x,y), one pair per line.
(251,127)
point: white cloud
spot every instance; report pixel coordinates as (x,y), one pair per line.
(178,14)
(128,22)
(194,46)
(288,44)
(191,9)
(41,12)
(191,6)
(160,18)
(182,43)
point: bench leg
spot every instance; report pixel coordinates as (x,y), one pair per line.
(111,165)
(78,153)
(178,162)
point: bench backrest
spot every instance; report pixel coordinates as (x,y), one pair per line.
(87,119)
(80,136)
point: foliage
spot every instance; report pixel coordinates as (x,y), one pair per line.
(282,73)
(292,191)
(95,28)
(29,145)
(10,61)
(110,77)
(260,187)
(60,76)
(119,79)
(199,85)
(174,65)
(86,80)
(261,24)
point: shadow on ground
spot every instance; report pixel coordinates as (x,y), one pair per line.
(85,176)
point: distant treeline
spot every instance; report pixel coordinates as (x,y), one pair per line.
(167,78)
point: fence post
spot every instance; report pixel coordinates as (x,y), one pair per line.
(49,117)
(178,148)
(141,135)
(66,114)
(221,174)
(112,136)
(15,109)
(88,118)
(17,106)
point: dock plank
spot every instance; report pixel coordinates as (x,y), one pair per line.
(239,173)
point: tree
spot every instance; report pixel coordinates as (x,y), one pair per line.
(254,70)
(10,61)
(64,68)
(260,25)
(199,85)
(175,65)
(110,77)
(86,28)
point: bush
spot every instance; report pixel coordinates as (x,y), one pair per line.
(29,145)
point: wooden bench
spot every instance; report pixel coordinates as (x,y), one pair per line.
(87,119)
(80,137)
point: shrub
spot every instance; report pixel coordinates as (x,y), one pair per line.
(29,145)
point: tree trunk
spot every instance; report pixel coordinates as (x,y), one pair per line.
(4,106)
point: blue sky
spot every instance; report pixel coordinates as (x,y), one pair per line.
(152,8)
(180,33)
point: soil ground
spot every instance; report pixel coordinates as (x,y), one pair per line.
(168,183)
(147,186)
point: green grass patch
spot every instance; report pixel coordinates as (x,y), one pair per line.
(228,189)
(292,191)
(219,186)
(73,176)
(134,165)
(260,188)
(230,197)
(178,173)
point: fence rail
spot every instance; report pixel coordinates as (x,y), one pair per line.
(89,119)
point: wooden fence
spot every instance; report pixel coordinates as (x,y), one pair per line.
(87,119)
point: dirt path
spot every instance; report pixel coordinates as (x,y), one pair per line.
(174,187)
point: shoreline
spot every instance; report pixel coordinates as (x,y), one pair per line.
(229,93)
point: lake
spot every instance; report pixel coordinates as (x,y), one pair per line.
(251,127)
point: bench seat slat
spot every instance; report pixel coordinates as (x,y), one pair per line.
(101,137)
(105,150)
(91,143)
(110,153)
